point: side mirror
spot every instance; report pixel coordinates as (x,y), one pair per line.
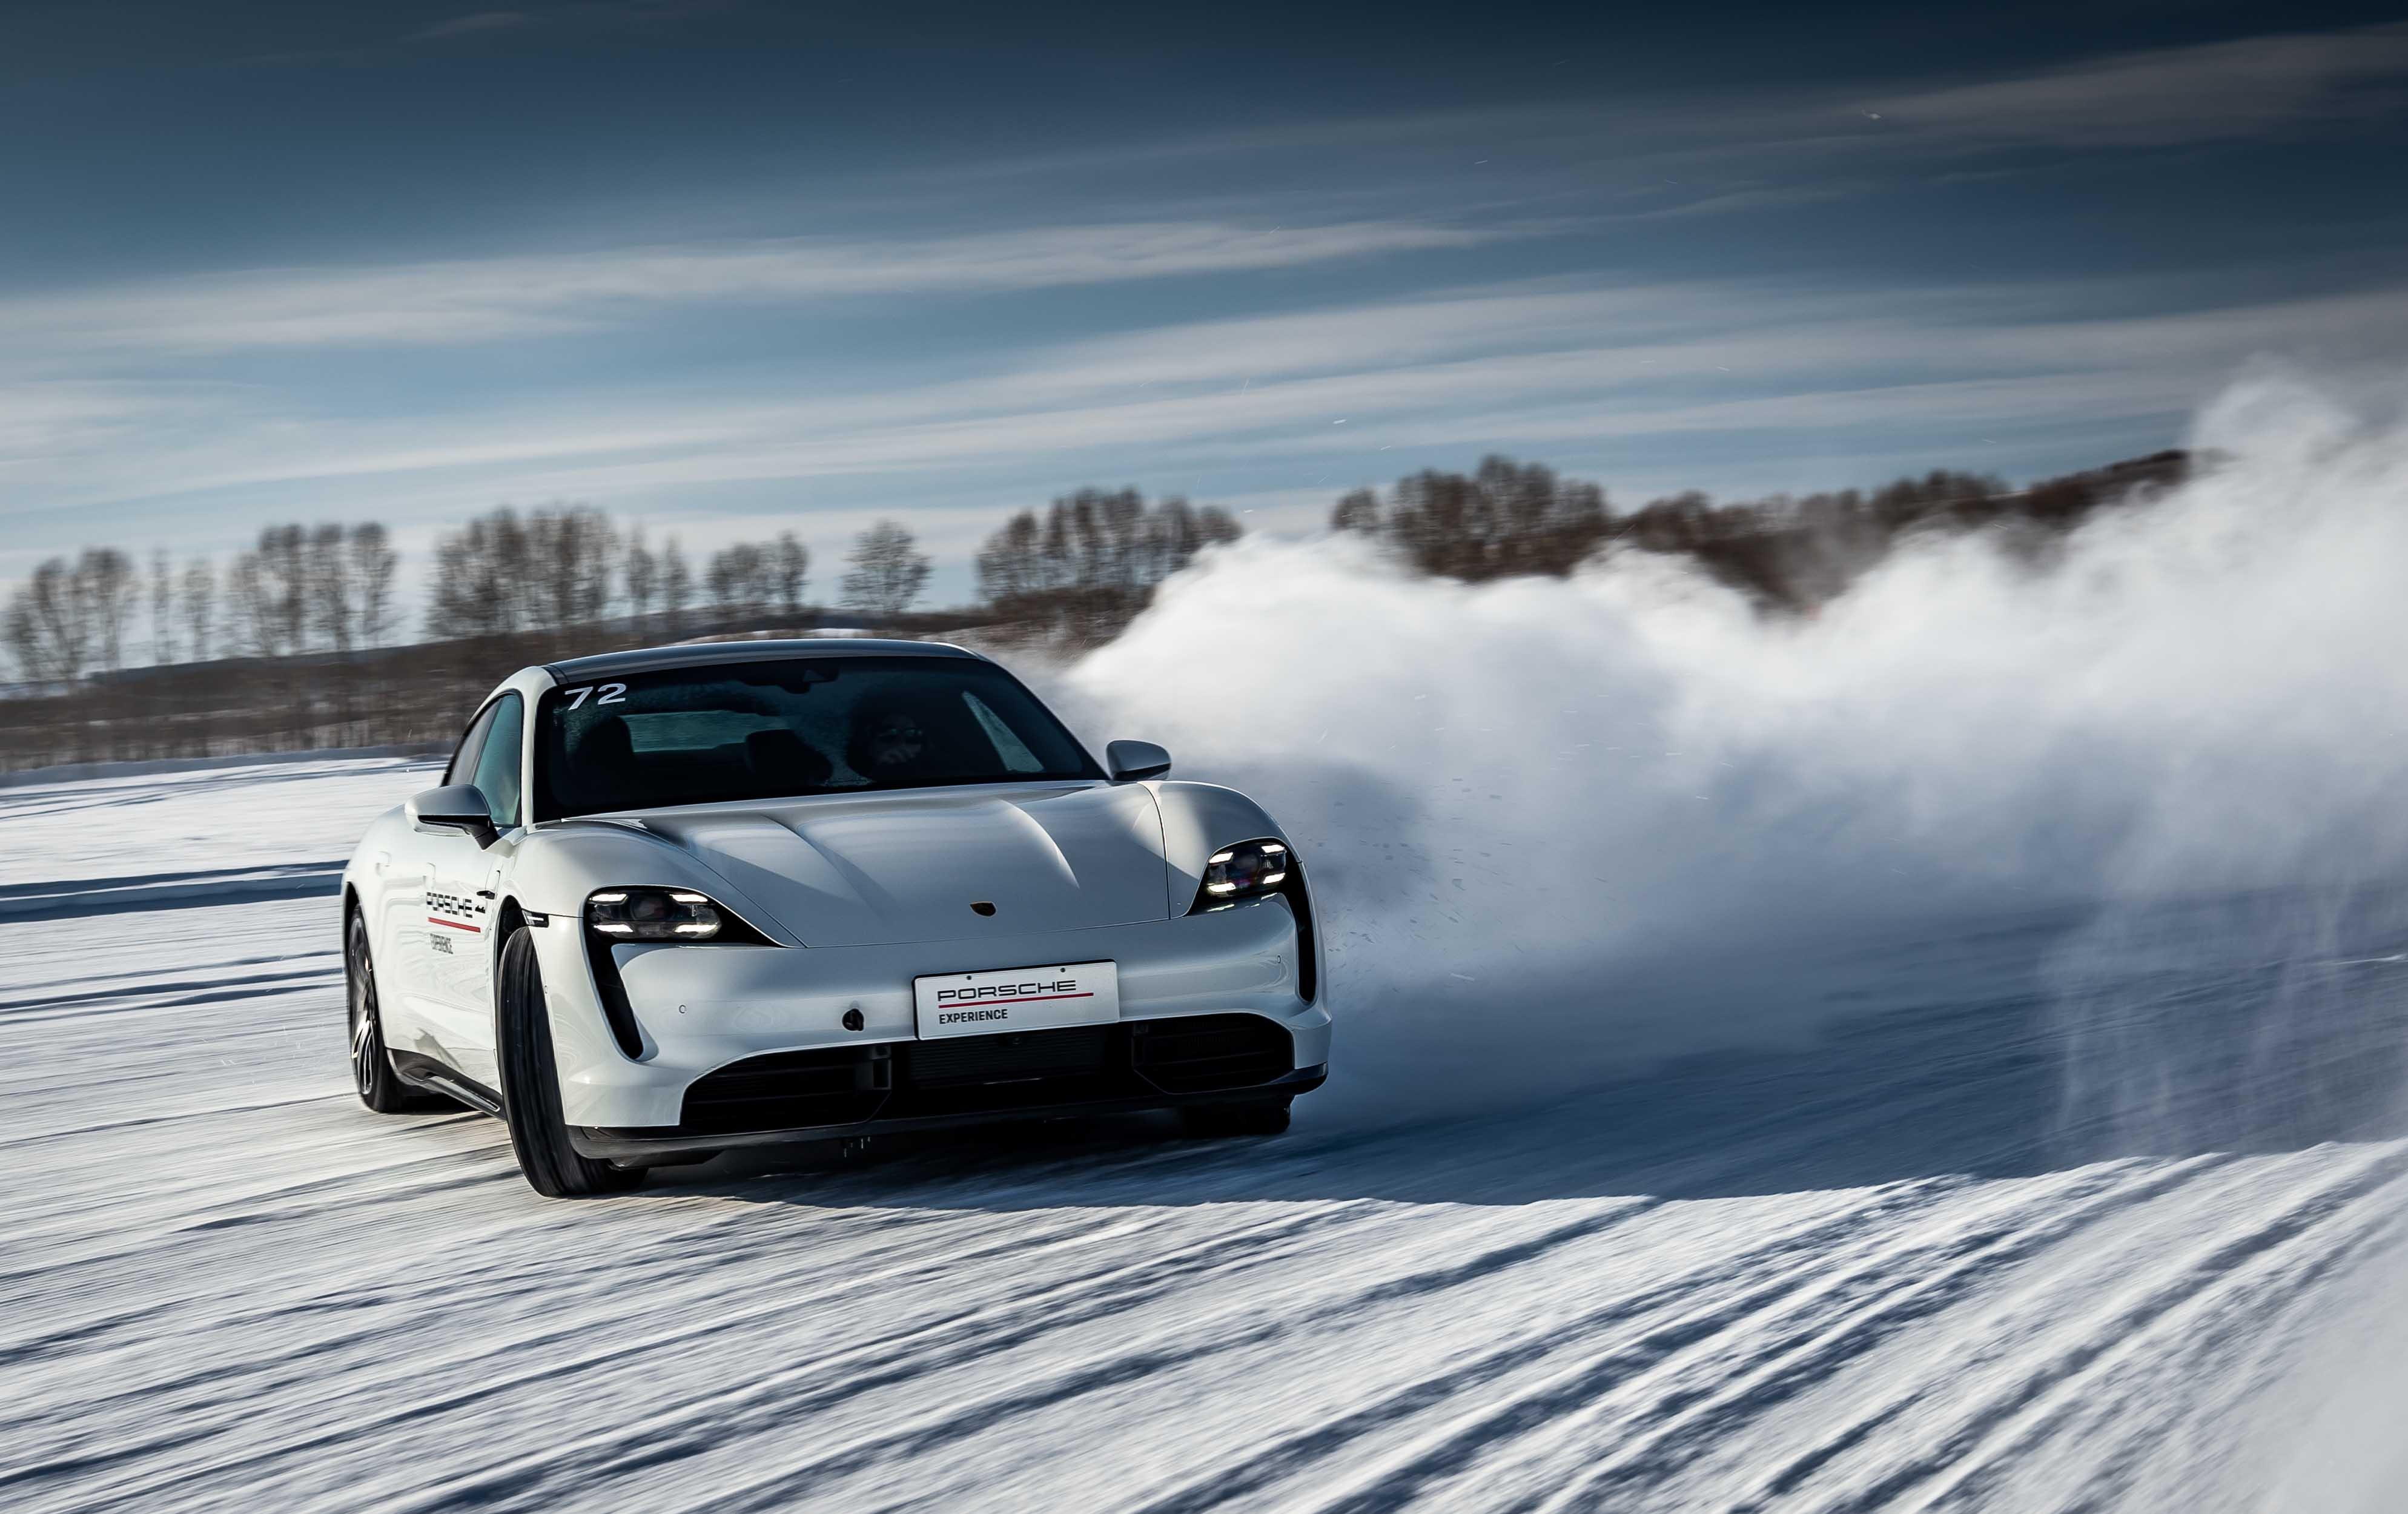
(1129,761)
(456,807)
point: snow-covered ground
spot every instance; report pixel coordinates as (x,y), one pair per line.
(1876,1265)
(252,830)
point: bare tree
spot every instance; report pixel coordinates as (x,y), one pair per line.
(163,609)
(348,574)
(750,578)
(572,550)
(1504,518)
(1357,509)
(281,605)
(642,575)
(199,606)
(888,570)
(792,565)
(326,586)
(738,580)
(1094,560)
(50,625)
(22,627)
(252,621)
(372,569)
(1011,567)
(479,578)
(676,585)
(110,586)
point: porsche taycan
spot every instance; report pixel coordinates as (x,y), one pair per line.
(669,902)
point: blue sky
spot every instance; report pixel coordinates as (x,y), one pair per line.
(732,268)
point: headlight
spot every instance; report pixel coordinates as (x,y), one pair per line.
(1248,870)
(654,915)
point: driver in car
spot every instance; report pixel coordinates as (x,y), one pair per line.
(890,744)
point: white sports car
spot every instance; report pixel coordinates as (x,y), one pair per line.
(673,901)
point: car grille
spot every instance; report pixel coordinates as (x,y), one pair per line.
(1078,1051)
(989,1074)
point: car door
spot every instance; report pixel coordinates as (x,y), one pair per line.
(407,957)
(462,881)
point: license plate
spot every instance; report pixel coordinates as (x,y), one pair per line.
(1017,999)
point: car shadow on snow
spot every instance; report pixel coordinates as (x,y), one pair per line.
(2172,1036)
(1979,1091)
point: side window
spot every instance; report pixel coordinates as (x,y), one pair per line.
(497,765)
(464,759)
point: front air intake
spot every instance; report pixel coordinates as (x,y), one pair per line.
(790,1090)
(1211,1054)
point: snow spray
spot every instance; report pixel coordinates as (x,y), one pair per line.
(1561,826)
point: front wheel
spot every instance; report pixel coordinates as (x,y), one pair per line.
(372,1076)
(531,1088)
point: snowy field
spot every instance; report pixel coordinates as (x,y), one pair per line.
(1947,1053)
(1868,1269)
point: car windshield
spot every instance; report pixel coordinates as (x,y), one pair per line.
(778,729)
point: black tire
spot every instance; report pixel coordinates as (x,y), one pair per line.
(531,1087)
(1245,1117)
(378,1086)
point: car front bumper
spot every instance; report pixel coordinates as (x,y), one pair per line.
(904,1106)
(776,1016)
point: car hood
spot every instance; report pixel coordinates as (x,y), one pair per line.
(876,869)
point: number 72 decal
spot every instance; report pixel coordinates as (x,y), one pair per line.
(612,693)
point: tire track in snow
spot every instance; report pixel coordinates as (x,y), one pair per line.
(2130,1448)
(1758,1272)
(774,1400)
(465,1354)
(950,1331)
(1230,1328)
(1562,1406)
(1959,1460)
(188,993)
(2002,1341)
(1667,1432)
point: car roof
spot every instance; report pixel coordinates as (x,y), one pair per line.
(705,654)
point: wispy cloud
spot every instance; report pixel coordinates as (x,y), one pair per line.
(584,16)
(480,22)
(1811,141)
(2258,87)
(495,299)
(1570,374)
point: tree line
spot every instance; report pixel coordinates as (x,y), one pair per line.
(291,644)
(1083,571)
(330,590)
(300,588)
(1784,553)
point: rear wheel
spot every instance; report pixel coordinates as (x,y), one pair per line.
(1246,1117)
(378,1086)
(531,1088)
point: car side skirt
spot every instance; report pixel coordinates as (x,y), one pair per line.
(421,1071)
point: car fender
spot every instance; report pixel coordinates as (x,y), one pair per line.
(380,845)
(1199,820)
(383,855)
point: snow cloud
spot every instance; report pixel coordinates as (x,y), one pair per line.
(1603,793)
